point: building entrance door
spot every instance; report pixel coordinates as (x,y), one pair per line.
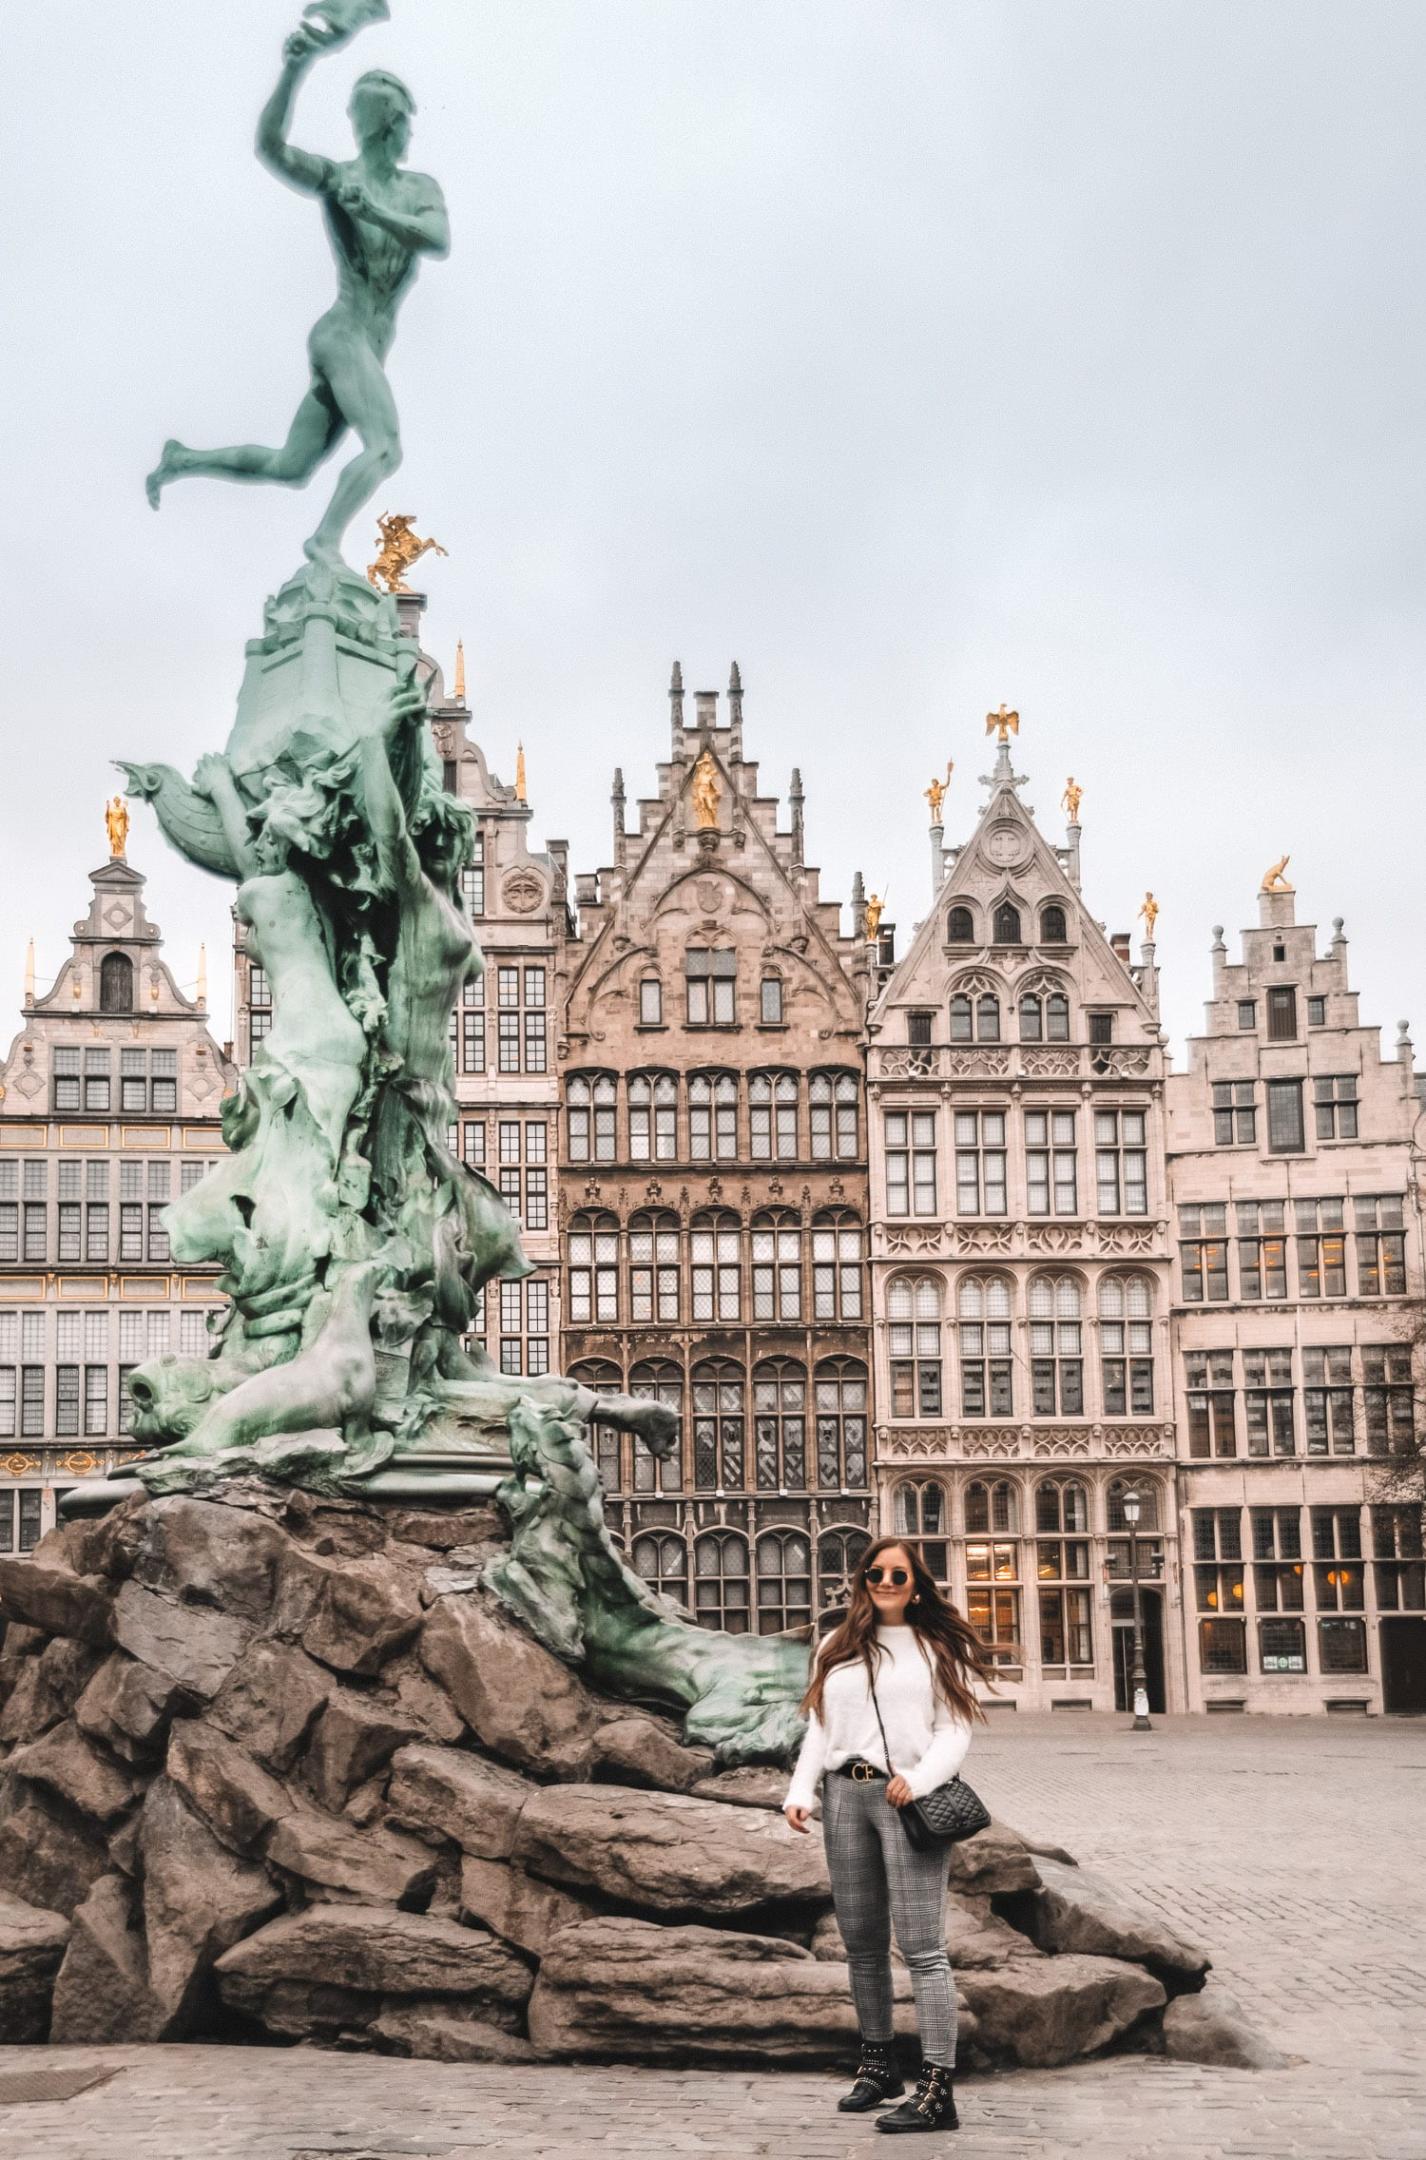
(1403,1665)
(1121,1617)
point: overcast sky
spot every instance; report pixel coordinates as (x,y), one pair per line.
(919,354)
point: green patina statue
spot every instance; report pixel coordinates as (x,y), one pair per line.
(354,1246)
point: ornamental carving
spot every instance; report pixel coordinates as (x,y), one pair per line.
(522,892)
(79,1462)
(1049,1064)
(1140,1440)
(1054,1238)
(18,1465)
(985,1237)
(1069,1442)
(977,1064)
(990,1441)
(975,983)
(927,1443)
(1122,1064)
(917,1064)
(1127,1237)
(902,1238)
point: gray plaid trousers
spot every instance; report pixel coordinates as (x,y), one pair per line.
(879,1881)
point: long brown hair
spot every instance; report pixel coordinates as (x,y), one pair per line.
(947,1641)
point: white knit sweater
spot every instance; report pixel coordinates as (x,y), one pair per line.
(928,1741)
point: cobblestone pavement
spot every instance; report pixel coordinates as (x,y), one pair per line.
(1291,1849)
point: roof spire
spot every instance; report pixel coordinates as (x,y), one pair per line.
(202,975)
(30,973)
(675,700)
(460,671)
(520,795)
(1003,725)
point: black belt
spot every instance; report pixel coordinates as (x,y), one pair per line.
(860,1772)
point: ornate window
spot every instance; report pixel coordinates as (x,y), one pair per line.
(713,1117)
(910,1162)
(592,1100)
(784,1581)
(836,1267)
(975,1018)
(653,1268)
(1007,924)
(1051,1163)
(992,1508)
(1044,1017)
(920,1513)
(1053,930)
(770,1001)
(1126,1345)
(980,1162)
(839,1388)
(653,1117)
(594,1271)
(1065,1600)
(606,1441)
(993,1598)
(712,986)
(1056,1347)
(772,1112)
(1121,1161)
(658,1380)
(777,1268)
(715,1246)
(650,1002)
(984,1315)
(116,983)
(780,1425)
(719,1426)
(960,927)
(913,1311)
(833,1097)
(1061,1507)
(1145,1545)
(838,1552)
(720,1581)
(661,1560)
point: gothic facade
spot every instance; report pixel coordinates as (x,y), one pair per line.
(109,1107)
(714,1185)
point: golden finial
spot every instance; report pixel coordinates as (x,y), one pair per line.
(520,795)
(1008,723)
(1273,879)
(706,791)
(936,792)
(1150,914)
(401,549)
(30,973)
(1071,799)
(116,817)
(202,974)
(460,671)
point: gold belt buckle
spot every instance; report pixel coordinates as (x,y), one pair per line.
(862,1773)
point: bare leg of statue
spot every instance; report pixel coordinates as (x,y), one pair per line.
(363,396)
(313,436)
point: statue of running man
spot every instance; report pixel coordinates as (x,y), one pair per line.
(380,221)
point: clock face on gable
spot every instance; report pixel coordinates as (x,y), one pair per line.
(1007,846)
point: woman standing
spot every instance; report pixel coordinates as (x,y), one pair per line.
(900,1665)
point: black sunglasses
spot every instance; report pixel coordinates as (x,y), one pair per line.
(896,1576)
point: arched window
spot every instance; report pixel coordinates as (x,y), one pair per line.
(1032,1020)
(960,927)
(836,1267)
(1052,926)
(719,1426)
(713,1117)
(987,1017)
(1126,1345)
(1061,1507)
(592,1099)
(777,1266)
(913,1311)
(833,1098)
(653,1117)
(993,1596)
(661,1560)
(1007,924)
(839,1387)
(962,1019)
(838,1552)
(984,1314)
(1150,1502)
(772,1116)
(715,1251)
(920,1514)
(1057,1027)
(780,1425)
(784,1581)
(770,1001)
(116,983)
(1056,1347)
(720,1581)
(593,1270)
(650,1002)
(992,1508)
(653,1267)
(975,1018)
(658,1380)
(606,1441)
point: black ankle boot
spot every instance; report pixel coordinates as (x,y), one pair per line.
(931,2107)
(878,2079)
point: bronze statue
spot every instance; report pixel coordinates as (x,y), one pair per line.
(936,792)
(401,549)
(872,914)
(1150,915)
(116,818)
(1273,879)
(1008,723)
(1071,799)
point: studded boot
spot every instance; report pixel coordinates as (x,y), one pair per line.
(931,2107)
(877,2079)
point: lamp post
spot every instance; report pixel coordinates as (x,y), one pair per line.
(1139,1681)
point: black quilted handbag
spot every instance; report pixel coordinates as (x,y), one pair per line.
(942,1816)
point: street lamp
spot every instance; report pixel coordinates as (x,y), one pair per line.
(1132,1506)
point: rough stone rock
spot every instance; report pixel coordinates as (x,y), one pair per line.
(641,1750)
(126,1707)
(1037,2012)
(666,1851)
(101,1993)
(374,1951)
(47,1688)
(750,1785)
(193,1646)
(236,1797)
(43,1593)
(324,2012)
(515,1906)
(423,1701)
(1211,2027)
(47,1855)
(352,1613)
(446,1794)
(32,1944)
(200,1552)
(435,2031)
(628,1988)
(355,1737)
(199,1899)
(443,1529)
(995,1861)
(65,1763)
(270,1701)
(517,1698)
(1077,1910)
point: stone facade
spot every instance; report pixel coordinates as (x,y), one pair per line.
(1296,1188)
(109,1107)
(1020,1263)
(714,1185)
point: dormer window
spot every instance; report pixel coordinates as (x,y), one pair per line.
(116,983)
(918,1028)
(1007,924)
(1053,929)
(960,927)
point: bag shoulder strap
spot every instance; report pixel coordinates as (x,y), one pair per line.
(885,1749)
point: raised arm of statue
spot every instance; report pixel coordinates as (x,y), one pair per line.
(299,168)
(213,778)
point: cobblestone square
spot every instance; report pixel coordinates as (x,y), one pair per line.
(1289,1847)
